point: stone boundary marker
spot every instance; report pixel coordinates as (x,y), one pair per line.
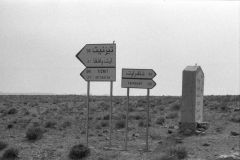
(192,98)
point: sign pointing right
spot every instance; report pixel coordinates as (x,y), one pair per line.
(138,73)
(138,78)
(138,83)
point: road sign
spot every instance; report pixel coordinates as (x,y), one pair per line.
(100,60)
(99,74)
(138,78)
(98,55)
(138,73)
(138,83)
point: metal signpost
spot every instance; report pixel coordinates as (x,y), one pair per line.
(100,63)
(138,78)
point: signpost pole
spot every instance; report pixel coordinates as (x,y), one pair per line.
(110,129)
(126,132)
(147,130)
(88,90)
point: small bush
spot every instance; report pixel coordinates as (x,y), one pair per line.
(165,157)
(175,106)
(98,126)
(50,124)
(9,126)
(121,116)
(12,111)
(66,124)
(104,105)
(120,124)
(11,153)
(79,151)
(136,116)
(3,145)
(106,117)
(104,123)
(143,123)
(172,115)
(34,133)
(160,120)
(179,152)
(235,117)
(219,129)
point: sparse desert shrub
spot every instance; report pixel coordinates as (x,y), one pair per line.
(104,105)
(106,117)
(98,126)
(120,116)
(98,118)
(219,129)
(223,106)
(26,113)
(12,111)
(34,115)
(136,116)
(141,102)
(24,122)
(9,126)
(10,154)
(143,123)
(120,124)
(34,133)
(33,104)
(131,108)
(104,123)
(235,117)
(3,145)
(35,123)
(158,102)
(108,156)
(4,112)
(180,152)
(175,106)
(155,134)
(66,124)
(160,120)
(172,115)
(164,157)
(50,124)
(160,107)
(79,152)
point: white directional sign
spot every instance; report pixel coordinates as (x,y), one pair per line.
(138,83)
(99,74)
(98,55)
(138,73)
(138,78)
(100,63)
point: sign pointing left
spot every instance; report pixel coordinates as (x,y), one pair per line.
(100,63)
(99,74)
(98,55)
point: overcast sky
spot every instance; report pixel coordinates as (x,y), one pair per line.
(39,41)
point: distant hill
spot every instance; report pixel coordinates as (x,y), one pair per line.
(35,93)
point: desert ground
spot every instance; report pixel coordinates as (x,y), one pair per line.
(61,121)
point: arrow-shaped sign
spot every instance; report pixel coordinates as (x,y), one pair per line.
(138,73)
(138,83)
(99,74)
(98,55)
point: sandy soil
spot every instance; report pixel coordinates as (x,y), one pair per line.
(63,120)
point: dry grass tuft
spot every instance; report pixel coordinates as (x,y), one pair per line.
(79,152)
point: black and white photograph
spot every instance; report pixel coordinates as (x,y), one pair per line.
(119,79)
